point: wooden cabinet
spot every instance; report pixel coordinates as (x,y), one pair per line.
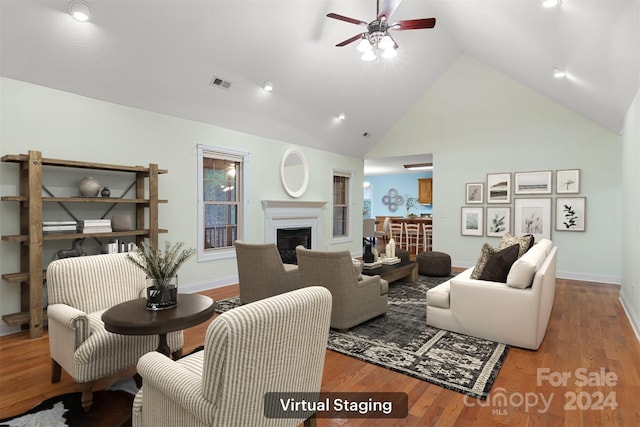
(425,191)
(31,238)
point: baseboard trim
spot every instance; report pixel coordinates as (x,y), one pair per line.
(6,329)
(631,315)
(209,284)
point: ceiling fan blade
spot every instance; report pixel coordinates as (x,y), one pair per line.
(350,40)
(388,7)
(414,24)
(346,19)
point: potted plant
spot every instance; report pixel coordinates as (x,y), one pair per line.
(410,203)
(161,269)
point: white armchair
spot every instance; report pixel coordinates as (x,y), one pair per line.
(80,290)
(277,344)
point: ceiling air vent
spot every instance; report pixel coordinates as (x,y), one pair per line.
(221,83)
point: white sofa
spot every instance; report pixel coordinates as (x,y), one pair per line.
(516,312)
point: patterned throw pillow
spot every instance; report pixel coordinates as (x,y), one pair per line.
(525,242)
(499,264)
(485,253)
(357,268)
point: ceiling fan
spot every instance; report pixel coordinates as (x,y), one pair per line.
(377,38)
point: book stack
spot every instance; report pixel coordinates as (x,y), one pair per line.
(94,226)
(117,246)
(52,227)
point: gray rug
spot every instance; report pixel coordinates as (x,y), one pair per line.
(402,341)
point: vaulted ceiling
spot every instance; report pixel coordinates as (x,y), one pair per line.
(161,56)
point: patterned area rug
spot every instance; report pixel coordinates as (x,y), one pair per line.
(111,408)
(402,341)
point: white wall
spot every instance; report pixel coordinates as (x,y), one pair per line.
(630,291)
(477,121)
(68,126)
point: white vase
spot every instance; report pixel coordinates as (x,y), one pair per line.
(89,187)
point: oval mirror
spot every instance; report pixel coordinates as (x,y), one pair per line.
(294,172)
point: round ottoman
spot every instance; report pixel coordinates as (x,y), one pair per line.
(434,264)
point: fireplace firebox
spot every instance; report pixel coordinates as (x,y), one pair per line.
(288,239)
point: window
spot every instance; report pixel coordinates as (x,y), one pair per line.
(221,175)
(341,201)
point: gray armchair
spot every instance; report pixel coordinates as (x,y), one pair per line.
(354,301)
(261,272)
(277,344)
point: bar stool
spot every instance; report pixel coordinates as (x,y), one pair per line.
(427,237)
(412,233)
(396,233)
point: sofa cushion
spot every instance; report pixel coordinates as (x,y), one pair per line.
(439,296)
(526,242)
(499,264)
(523,270)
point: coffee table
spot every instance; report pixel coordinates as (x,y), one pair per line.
(406,270)
(133,318)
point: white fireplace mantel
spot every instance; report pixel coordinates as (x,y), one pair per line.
(279,214)
(295,204)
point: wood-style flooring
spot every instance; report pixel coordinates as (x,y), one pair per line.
(589,341)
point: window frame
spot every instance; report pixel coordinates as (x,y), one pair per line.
(210,151)
(348,204)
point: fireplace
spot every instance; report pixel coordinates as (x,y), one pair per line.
(291,223)
(288,239)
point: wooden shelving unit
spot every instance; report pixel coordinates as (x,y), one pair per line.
(31,238)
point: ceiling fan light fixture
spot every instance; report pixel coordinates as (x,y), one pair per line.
(389,53)
(80,10)
(364,45)
(368,56)
(386,42)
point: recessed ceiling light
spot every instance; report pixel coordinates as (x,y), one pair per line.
(342,116)
(559,74)
(267,86)
(80,10)
(551,3)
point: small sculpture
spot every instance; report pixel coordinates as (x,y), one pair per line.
(76,250)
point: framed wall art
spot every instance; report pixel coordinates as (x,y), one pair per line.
(568,181)
(532,182)
(533,216)
(571,213)
(498,221)
(474,193)
(472,221)
(499,187)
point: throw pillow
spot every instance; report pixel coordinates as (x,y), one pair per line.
(485,253)
(525,242)
(357,268)
(499,264)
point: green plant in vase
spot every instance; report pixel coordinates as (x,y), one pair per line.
(410,202)
(161,268)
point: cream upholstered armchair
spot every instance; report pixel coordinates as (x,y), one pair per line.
(80,290)
(277,344)
(261,272)
(354,301)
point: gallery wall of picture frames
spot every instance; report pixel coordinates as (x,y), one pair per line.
(522,203)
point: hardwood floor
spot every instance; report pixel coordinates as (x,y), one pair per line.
(589,339)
